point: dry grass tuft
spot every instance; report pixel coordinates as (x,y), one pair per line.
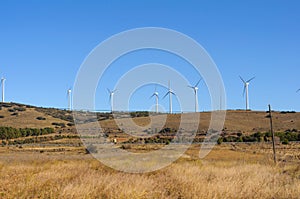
(223,174)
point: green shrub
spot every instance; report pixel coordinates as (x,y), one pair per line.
(220,140)
(20,109)
(41,118)
(59,124)
(70,124)
(285,141)
(139,114)
(12,133)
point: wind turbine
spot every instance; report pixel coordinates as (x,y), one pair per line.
(195,88)
(170,93)
(111,98)
(155,94)
(246,89)
(3,87)
(69,93)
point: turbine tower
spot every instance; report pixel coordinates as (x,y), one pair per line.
(170,93)
(246,89)
(111,98)
(155,94)
(3,87)
(69,93)
(195,88)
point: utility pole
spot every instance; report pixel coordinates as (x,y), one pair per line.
(273,136)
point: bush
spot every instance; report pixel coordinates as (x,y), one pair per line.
(285,141)
(1,116)
(6,105)
(220,140)
(41,118)
(59,124)
(70,124)
(20,109)
(139,114)
(12,133)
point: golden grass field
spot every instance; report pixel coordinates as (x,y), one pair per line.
(62,169)
(227,172)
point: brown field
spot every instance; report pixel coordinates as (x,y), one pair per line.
(61,168)
(227,172)
(243,121)
(26,118)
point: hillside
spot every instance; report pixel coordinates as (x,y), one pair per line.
(236,121)
(25,116)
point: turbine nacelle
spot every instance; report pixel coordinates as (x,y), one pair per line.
(155,94)
(170,93)
(246,86)
(111,98)
(195,89)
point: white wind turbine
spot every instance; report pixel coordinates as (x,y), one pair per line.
(170,93)
(3,87)
(155,94)
(195,88)
(69,93)
(246,89)
(111,98)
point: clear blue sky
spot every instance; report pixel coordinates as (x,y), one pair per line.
(43,43)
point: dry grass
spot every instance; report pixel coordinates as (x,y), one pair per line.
(244,121)
(223,174)
(229,171)
(26,119)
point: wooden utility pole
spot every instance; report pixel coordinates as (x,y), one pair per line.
(273,136)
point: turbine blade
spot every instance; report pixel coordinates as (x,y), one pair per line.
(152,96)
(192,87)
(298,90)
(173,93)
(198,82)
(251,79)
(109,99)
(166,95)
(108,91)
(244,91)
(242,79)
